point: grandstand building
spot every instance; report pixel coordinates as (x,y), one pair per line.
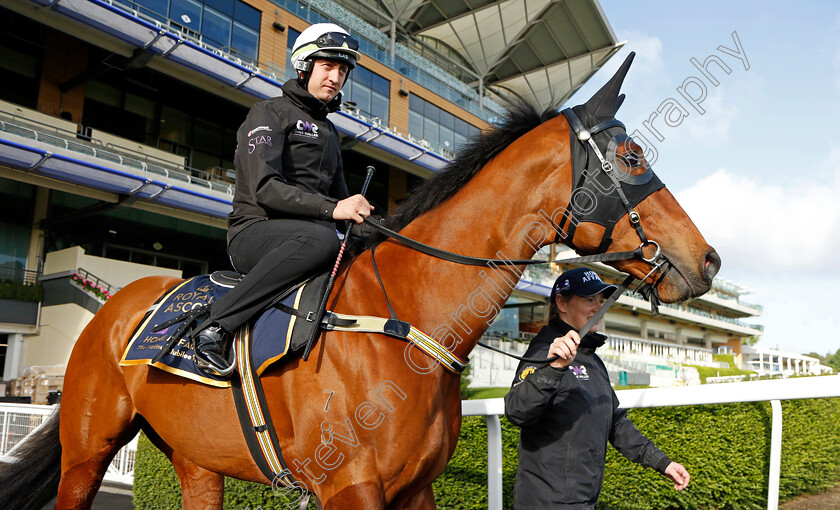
(117,135)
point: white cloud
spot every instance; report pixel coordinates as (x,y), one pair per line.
(761,226)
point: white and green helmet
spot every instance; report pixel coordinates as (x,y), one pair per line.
(324,40)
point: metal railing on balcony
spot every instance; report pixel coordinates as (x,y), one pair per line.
(18,275)
(68,140)
(703,313)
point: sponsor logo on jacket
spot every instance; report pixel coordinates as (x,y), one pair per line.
(526,372)
(580,372)
(258,140)
(306,129)
(257,130)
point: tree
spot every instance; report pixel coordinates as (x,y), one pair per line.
(833,360)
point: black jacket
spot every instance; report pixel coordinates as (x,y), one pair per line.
(567,416)
(288,161)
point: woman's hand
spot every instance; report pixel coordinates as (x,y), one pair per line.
(566,347)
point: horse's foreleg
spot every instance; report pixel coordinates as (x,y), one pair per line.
(422,500)
(200,489)
(364,495)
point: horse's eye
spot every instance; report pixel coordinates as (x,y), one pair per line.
(630,159)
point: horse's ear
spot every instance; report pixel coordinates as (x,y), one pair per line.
(606,101)
(619,102)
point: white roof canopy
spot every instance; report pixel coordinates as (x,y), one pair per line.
(542,50)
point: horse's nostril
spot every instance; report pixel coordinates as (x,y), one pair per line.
(711,265)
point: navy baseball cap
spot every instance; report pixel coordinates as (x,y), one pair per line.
(580,282)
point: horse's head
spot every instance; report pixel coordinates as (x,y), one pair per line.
(619,204)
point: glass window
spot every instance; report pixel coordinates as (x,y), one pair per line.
(379,107)
(156,6)
(443,130)
(292,36)
(244,42)
(430,131)
(105,94)
(415,124)
(447,120)
(381,85)
(186,13)
(175,126)
(16,199)
(447,138)
(139,119)
(216,28)
(247,15)
(19,75)
(431,112)
(361,76)
(223,6)
(415,104)
(208,137)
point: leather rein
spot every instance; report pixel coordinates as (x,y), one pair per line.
(657,261)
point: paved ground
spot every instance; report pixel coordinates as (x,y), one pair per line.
(111,496)
(827,500)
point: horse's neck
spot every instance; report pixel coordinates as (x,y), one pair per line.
(493,216)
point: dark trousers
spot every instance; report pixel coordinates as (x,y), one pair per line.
(273,254)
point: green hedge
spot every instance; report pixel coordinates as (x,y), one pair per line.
(725,448)
(705,372)
(20,292)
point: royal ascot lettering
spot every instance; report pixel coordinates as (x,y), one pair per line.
(187,301)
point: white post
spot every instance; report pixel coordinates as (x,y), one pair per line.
(14,356)
(494,462)
(775,455)
(4,447)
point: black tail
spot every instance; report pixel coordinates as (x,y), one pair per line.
(29,476)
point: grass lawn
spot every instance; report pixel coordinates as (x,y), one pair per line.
(479,393)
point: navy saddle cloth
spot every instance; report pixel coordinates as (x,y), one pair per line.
(273,335)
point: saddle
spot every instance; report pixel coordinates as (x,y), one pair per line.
(164,338)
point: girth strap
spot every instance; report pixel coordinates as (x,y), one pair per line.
(255,419)
(403,331)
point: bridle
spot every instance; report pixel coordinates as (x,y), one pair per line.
(637,189)
(629,191)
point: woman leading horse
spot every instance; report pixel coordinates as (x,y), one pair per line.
(394,413)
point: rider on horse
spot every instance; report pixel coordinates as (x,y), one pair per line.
(290,189)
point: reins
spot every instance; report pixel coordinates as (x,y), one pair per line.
(481,261)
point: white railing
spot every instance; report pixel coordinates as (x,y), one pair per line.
(18,420)
(757,391)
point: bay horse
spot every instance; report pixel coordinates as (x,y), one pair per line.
(396,413)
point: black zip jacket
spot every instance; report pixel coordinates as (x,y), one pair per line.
(567,416)
(288,161)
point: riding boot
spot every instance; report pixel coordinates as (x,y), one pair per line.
(210,348)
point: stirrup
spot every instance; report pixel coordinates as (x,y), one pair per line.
(209,368)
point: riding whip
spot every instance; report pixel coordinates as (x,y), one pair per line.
(328,286)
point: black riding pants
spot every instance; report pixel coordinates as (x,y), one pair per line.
(273,254)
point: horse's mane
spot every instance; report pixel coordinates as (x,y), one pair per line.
(520,118)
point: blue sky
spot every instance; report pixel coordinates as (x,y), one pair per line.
(759,171)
